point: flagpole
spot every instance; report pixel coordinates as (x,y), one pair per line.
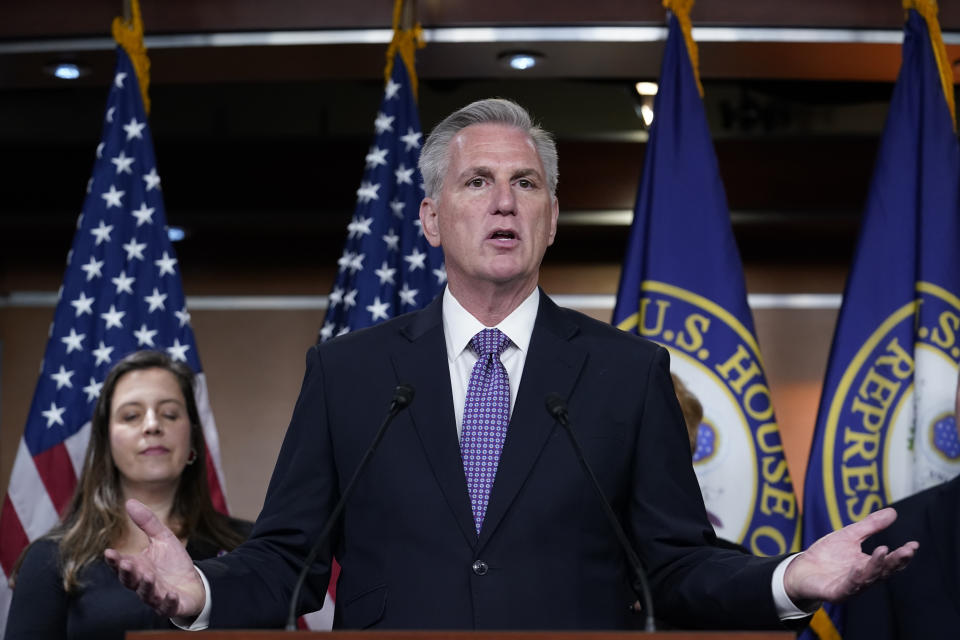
(409,18)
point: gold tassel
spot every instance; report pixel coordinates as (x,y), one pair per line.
(129,35)
(928,9)
(406,42)
(681,9)
(823,626)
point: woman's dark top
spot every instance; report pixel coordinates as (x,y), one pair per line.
(101,609)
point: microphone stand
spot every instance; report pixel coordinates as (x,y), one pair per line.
(402,397)
(557,407)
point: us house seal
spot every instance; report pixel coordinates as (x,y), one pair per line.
(890,429)
(739,458)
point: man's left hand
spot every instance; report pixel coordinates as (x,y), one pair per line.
(834,567)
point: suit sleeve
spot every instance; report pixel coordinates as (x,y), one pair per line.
(38,610)
(251,586)
(695,583)
(869,615)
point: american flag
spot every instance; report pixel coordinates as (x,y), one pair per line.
(121,292)
(387,267)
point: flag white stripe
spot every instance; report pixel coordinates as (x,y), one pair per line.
(29,496)
(322,618)
(209,428)
(77,447)
(6,594)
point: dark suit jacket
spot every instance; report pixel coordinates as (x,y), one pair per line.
(407,544)
(923,600)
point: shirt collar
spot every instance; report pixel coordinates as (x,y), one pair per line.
(459,326)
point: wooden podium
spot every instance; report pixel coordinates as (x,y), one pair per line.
(462,635)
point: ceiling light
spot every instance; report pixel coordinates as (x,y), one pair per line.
(520,60)
(66,70)
(647,88)
(646,112)
(176,234)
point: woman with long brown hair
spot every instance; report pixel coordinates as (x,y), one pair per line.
(146,442)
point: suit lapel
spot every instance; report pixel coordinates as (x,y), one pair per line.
(552,364)
(421,360)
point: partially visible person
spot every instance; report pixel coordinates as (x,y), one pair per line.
(692,412)
(691,409)
(923,601)
(146,442)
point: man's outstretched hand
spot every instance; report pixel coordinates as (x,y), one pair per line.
(163,574)
(834,568)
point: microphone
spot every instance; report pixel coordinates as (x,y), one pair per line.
(557,407)
(402,397)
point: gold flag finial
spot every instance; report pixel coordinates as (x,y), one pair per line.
(407,38)
(129,35)
(681,9)
(928,9)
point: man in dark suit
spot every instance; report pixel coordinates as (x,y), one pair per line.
(473,513)
(923,601)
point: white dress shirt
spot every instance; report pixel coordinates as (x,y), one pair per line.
(459,327)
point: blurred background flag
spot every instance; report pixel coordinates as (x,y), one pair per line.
(682,286)
(885,428)
(121,292)
(387,267)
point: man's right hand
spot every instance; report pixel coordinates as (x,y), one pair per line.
(163,574)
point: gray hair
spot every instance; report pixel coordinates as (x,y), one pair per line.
(435,156)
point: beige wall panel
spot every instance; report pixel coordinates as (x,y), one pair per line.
(23,332)
(795,345)
(254,361)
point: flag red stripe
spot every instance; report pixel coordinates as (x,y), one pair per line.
(216,492)
(334,576)
(56,471)
(13,536)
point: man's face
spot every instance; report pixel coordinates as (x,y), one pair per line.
(494,216)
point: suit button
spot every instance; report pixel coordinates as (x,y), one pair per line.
(480,568)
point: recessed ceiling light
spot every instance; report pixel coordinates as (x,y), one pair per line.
(646,113)
(520,60)
(66,70)
(647,88)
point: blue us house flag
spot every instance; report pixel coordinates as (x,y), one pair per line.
(121,293)
(387,266)
(886,427)
(682,286)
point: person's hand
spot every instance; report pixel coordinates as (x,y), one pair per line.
(163,574)
(834,567)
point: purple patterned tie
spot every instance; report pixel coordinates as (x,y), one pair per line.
(486,415)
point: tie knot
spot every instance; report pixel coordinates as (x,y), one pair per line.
(489,342)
